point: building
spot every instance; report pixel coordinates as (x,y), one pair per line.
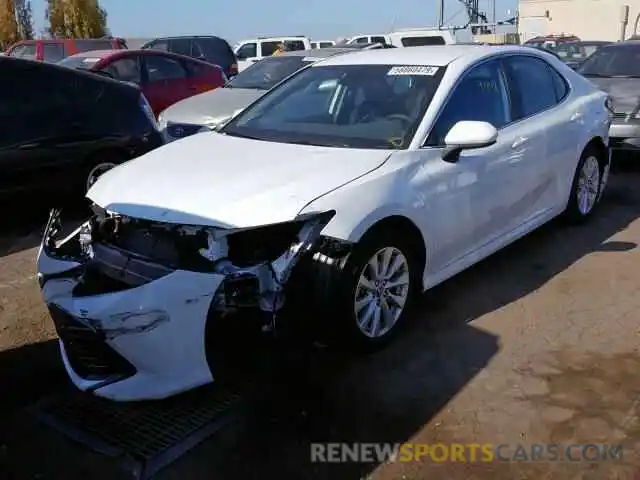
(587,19)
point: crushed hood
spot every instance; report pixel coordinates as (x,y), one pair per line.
(218,180)
(624,92)
(212,106)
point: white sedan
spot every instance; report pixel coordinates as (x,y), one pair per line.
(356,184)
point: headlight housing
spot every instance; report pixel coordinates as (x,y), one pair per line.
(267,243)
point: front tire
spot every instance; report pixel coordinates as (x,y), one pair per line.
(376,291)
(586,186)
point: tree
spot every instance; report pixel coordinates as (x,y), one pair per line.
(9,33)
(24,19)
(76,19)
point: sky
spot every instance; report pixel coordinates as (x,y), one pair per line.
(234,20)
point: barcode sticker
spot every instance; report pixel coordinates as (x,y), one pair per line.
(413,70)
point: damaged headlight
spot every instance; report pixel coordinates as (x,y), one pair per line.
(257,245)
(75,246)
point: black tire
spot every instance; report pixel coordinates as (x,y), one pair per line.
(574,213)
(341,283)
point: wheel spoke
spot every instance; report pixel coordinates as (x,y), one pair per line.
(401,281)
(375,324)
(386,262)
(395,266)
(387,314)
(368,315)
(398,300)
(363,302)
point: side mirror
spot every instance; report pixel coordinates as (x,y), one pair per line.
(467,135)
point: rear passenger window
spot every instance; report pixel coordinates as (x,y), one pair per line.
(533,84)
(53,52)
(267,48)
(160,68)
(378,40)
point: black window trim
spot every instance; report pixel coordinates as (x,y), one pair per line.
(501,59)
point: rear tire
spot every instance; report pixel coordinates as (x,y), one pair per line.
(586,186)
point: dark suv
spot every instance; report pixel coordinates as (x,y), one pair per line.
(208,48)
(62,128)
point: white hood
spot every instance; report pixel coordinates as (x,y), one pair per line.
(219,180)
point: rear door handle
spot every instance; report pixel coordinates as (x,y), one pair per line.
(519,142)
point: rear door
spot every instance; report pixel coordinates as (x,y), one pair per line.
(545,133)
(164,81)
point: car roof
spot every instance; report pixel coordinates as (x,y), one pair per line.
(434,55)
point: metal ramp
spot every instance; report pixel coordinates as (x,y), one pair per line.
(145,436)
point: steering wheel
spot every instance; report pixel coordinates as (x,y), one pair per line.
(399,116)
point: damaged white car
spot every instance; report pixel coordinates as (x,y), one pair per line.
(359,182)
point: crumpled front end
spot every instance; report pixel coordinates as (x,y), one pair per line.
(132,299)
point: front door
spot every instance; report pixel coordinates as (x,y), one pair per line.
(476,191)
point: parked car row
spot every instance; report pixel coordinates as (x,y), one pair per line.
(342,188)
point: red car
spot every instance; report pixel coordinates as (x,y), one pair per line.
(53,51)
(165,78)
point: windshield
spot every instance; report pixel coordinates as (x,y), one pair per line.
(613,61)
(350,106)
(266,73)
(84,63)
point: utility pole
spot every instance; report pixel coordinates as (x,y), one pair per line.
(440,13)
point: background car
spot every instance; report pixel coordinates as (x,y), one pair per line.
(207,48)
(52,50)
(71,127)
(574,53)
(165,78)
(211,109)
(615,69)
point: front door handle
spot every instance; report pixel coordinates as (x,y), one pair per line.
(519,142)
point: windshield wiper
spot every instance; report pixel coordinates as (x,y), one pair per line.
(598,75)
(625,76)
(240,135)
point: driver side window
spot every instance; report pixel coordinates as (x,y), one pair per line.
(481,95)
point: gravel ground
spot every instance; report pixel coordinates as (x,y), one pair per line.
(538,344)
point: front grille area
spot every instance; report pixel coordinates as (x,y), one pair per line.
(179,130)
(88,353)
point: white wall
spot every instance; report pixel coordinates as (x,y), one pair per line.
(587,19)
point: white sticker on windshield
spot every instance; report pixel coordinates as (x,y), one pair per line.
(91,60)
(413,70)
(312,59)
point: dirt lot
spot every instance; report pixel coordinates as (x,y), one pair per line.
(538,344)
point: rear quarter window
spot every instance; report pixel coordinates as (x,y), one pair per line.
(215,48)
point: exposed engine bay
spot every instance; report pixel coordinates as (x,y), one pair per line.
(114,253)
